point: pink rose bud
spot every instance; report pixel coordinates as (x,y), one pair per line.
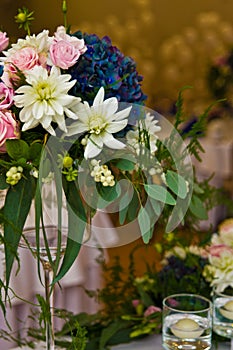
(151,310)
(135,302)
(6,96)
(4,41)
(8,129)
(79,44)
(10,76)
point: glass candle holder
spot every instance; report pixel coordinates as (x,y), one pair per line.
(223,312)
(187,322)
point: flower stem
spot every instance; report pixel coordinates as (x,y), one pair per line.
(64,10)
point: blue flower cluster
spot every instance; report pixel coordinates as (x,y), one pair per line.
(105,65)
(183,275)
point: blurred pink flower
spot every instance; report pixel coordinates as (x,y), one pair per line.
(216,250)
(8,129)
(172,302)
(135,302)
(151,310)
(4,41)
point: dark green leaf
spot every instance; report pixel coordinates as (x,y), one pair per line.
(76,225)
(197,208)
(124,201)
(16,209)
(109,332)
(35,152)
(17,149)
(133,207)
(3,184)
(197,189)
(108,194)
(76,228)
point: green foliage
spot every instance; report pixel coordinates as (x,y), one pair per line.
(16,208)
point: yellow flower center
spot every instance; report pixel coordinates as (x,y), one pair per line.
(44,91)
(97,124)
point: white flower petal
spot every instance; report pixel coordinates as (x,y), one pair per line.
(91,150)
(114,127)
(111,142)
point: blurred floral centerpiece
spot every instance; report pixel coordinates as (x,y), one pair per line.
(72,113)
(180,265)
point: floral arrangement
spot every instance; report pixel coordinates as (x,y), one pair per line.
(67,117)
(46,82)
(185,266)
(73,119)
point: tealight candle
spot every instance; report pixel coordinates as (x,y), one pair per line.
(186,328)
(227,310)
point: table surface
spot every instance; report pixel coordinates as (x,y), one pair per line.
(153,342)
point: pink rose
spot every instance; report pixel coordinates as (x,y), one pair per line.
(25,59)
(151,310)
(63,54)
(10,76)
(79,44)
(4,41)
(216,250)
(6,96)
(8,129)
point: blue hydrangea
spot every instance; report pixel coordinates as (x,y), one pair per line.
(105,65)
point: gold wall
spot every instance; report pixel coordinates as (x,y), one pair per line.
(138,27)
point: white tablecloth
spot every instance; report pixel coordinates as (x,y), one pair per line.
(149,343)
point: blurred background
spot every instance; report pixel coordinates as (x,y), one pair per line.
(173,43)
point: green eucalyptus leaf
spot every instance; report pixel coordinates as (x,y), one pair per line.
(197,208)
(17,149)
(133,207)
(123,207)
(160,193)
(156,205)
(197,188)
(145,225)
(176,183)
(72,193)
(125,164)
(76,228)
(124,202)
(76,225)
